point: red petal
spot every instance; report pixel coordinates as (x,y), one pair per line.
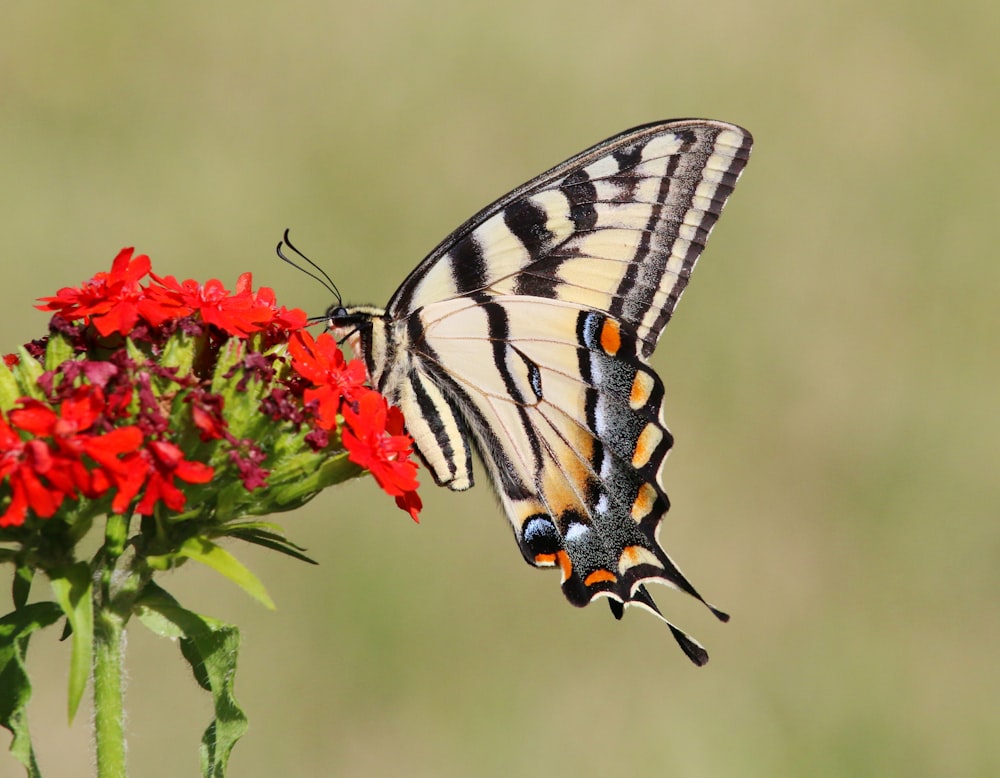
(244,284)
(194,472)
(411,503)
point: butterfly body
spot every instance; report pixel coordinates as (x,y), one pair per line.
(525,336)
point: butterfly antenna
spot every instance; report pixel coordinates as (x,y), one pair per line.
(323,277)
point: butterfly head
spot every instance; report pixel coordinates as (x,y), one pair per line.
(354,326)
(336,316)
(342,318)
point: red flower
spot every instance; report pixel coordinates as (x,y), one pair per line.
(115,302)
(111,301)
(166,462)
(211,423)
(322,363)
(108,450)
(152,470)
(238,314)
(375,440)
(280,317)
(61,463)
(373,433)
(21,464)
(77,413)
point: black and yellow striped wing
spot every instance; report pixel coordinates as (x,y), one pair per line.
(525,334)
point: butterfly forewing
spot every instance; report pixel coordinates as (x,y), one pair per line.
(525,334)
(616,228)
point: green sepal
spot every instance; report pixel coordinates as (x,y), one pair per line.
(9,389)
(15,685)
(297,480)
(179,351)
(26,374)
(115,534)
(57,351)
(211,648)
(135,353)
(232,352)
(73,587)
(242,393)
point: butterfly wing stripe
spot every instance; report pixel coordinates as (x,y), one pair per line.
(438,431)
(717,178)
(468,265)
(713,144)
(528,222)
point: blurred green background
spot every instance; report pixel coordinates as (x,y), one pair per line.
(831,375)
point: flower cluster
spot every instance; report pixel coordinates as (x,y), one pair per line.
(153,392)
(71,449)
(115,302)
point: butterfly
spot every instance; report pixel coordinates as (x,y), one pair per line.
(525,336)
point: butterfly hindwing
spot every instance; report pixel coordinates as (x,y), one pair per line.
(568,416)
(525,335)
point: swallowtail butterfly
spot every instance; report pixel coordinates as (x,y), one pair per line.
(525,336)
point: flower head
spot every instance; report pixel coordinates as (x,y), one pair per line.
(111,301)
(334,380)
(375,439)
(208,388)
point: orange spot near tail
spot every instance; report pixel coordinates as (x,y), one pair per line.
(599,576)
(561,558)
(565,564)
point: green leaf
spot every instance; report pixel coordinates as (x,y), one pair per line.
(268,535)
(220,560)
(21,585)
(73,588)
(15,686)
(211,648)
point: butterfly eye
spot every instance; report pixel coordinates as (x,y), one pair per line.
(336,315)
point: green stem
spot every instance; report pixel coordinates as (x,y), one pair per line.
(109,727)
